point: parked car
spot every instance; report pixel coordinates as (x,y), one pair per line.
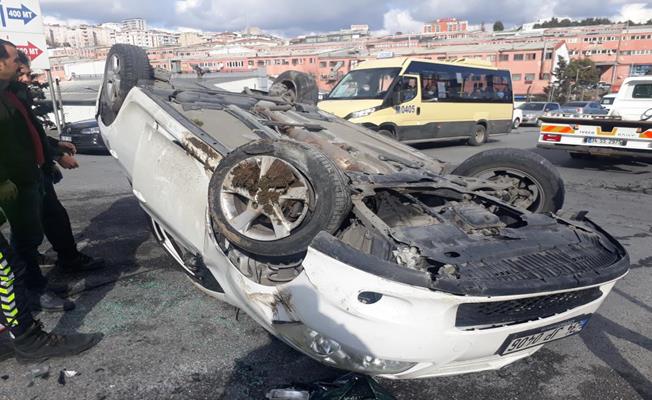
(583,107)
(607,101)
(517,118)
(351,247)
(85,135)
(534,109)
(634,99)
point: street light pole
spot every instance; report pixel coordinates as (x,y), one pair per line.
(577,77)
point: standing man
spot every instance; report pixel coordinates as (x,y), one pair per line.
(56,223)
(31,343)
(24,159)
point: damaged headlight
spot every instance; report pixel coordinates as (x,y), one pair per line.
(329,351)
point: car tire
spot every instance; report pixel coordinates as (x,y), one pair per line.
(479,135)
(295,87)
(580,156)
(387,133)
(245,202)
(126,65)
(516,123)
(529,171)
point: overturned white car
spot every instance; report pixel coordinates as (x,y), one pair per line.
(350,247)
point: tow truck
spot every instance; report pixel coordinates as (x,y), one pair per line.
(625,131)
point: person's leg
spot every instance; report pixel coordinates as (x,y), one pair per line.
(24,215)
(56,225)
(31,343)
(13,299)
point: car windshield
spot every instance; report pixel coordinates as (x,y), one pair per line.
(576,104)
(365,84)
(532,106)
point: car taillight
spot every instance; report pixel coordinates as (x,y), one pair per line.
(551,138)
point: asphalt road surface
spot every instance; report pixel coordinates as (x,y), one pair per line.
(167,340)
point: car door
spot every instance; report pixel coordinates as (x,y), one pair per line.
(405,109)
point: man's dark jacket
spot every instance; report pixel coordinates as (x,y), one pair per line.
(17,156)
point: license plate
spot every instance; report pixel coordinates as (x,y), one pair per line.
(607,141)
(65,138)
(536,337)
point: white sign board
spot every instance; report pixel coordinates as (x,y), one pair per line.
(21,22)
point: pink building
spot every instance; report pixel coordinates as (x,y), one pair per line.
(445,25)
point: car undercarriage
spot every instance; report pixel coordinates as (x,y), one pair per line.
(329,234)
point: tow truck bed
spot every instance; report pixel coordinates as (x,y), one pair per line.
(596,135)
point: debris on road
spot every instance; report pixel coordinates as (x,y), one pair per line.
(65,373)
(42,372)
(348,387)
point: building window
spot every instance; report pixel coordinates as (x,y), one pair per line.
(322,64)
(640,69)
(529,77)
(531,56)
(503,57)
(518,57)
(549,55)
(516,77)
(545,76)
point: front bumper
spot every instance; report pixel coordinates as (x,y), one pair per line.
(407,333)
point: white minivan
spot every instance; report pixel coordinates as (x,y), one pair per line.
(633,99)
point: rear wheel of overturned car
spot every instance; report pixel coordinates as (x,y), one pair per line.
(271,198)
(126,65)
(534,183)
(479,135)
(295,87)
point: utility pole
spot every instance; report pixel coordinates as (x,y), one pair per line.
(577,77)
(615,64)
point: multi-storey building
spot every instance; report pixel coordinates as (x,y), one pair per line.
(134,24)
(619,51)
(445,25)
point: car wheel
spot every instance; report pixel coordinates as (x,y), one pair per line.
(580,156)
(516,123)
(388,133)
(125,66)
(295,87)
(535,183)
(479,135)
(271,198)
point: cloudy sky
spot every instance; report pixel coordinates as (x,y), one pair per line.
(292,17)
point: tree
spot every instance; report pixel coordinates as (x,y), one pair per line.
(557,90)
(572,78)
(498,26)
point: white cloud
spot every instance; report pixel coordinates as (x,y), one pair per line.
(59,21)
(637,12)
(400,21)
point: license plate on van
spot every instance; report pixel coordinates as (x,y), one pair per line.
(536,337)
